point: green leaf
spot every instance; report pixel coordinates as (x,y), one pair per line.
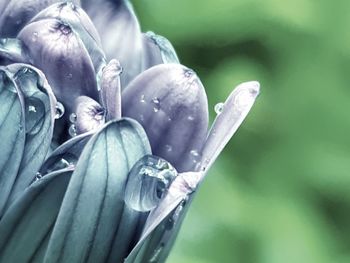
(93,212)
(28,222)
(11,133)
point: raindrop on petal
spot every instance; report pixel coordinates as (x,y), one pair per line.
(35,112)
(218,108)
(73,118)
(156,104)
(59,110)
(72,130)
(148,181)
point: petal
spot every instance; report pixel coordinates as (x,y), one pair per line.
(157,50)
(78,20)
(89,115)
(110,91)
(28,223)
(170,102)
(12,134)
(61,54)
(39,104)
(12,51)
(164,222)
(234,111)
(15,14)
(87,228)
(65,155)
(120,34)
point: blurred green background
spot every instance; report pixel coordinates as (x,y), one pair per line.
(280,191)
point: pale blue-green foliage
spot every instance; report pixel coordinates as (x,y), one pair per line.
(280,191)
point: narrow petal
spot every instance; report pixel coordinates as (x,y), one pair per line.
(26,225)
(12,134)
(157,50)
(120,34)
(86,227)
(110,91)
(89,115)
(164,221)
(39,104)
(234,111)
(170,102)
(15,14)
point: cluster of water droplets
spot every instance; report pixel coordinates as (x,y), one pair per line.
(148,182)
(72,127)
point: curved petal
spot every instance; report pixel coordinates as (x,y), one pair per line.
(163,223)
(120,34)
(157,50)
(15,14)
(65,155)
(28,222)
(39,103)
(80,23)
(61,54)
(87,228)
(170,102)
(12,134)
(12,51)
(234,111)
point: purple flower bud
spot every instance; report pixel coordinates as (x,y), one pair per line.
(58,42)
(14,14)
(170,102)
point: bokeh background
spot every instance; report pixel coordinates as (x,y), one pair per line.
(280,192)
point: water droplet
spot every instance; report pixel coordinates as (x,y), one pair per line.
(73,118)
(34,117)
(35,36)
(168,148)
(59,110)
(38,176)
(142,118)
(190,118)
(148,181)
(156,104)
(142,99)
(219,107)
(69,75)
(196,157)
(72,130)
(189,73)
(156,253)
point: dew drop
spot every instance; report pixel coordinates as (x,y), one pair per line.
(156,104)
(190,118)
(59,110)
(38,176)
(34,118)
(148,181)
(142,99)
(168,148)
(219,107)
(72,130)
(156,253)
(73,118)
